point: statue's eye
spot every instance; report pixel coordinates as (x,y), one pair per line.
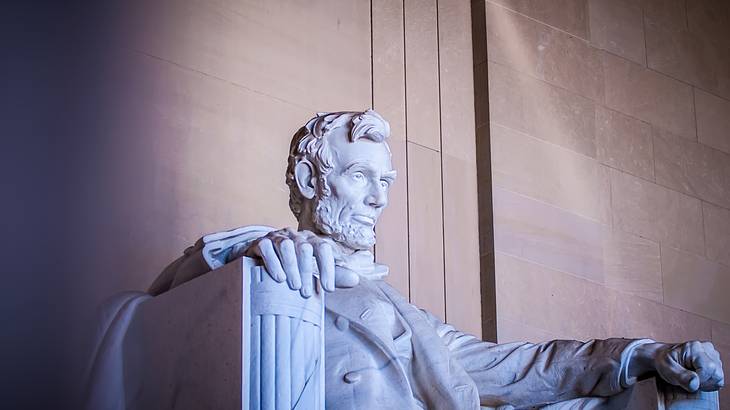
(384,183)
(358,176)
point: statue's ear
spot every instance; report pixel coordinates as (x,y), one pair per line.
(306,180)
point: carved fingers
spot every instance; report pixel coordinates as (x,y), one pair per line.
(705,361)
(693,366)
(290,263)
(296,257)
(305,254)
(326,263)
(265,249)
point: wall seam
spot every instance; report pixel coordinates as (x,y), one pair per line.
(441,157)
(372,59)
(406,142)
(643,29)
(223,80)
(694,113)
(372,82)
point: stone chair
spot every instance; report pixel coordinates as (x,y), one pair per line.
(187,349)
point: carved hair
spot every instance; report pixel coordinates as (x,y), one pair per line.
(310,144)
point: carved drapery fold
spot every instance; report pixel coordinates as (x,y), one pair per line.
(282,354)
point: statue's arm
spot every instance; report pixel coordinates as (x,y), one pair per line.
(527,374)
(209,252)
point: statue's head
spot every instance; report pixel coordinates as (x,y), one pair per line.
(339,173)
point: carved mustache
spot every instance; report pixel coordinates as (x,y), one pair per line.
(365,219)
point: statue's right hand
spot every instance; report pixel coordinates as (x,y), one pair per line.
(290,256)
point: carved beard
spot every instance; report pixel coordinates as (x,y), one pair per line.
(351,234)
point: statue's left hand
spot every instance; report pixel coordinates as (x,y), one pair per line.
(692,365)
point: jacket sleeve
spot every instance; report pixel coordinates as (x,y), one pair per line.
(209,252)
(528,374)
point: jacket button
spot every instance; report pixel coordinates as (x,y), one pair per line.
(366,314)
(342,323)
(352,377)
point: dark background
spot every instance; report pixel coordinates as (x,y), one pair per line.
(51,107)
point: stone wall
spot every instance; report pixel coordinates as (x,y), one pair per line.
(422,82)
(197,102)
(200,101)
(607,127)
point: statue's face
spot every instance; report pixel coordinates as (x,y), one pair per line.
(359,183)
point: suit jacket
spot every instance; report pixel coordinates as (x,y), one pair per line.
(447,368)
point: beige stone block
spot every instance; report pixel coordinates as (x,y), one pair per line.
(625,143)
(687,56)
(461,244)
(692,168)
(717,232)
(635,317)
(649,96)
(389,99)
(710,19)
(558,303)
(657,213)
(283,52)
(391,247)
(721,334)
(425,233)
(695,284)
(541,110)
(514,331)
(632,265)
(713,120)
(549,173)
(670,13)
(618,26)
(456,80)
(535,231)
(422,73)
(389,95)
(566,15)
(543,52)
(545,298)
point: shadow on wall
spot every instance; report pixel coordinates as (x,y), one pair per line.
(80,169)
(121,152)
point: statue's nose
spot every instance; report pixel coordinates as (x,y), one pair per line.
(378,198)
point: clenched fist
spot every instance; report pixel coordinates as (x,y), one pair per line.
(692,365)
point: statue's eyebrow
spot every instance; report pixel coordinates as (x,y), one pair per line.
(390,174)
(355,164)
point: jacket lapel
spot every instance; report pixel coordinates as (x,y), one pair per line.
(357,305)
(448,385)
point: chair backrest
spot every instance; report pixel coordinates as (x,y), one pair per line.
(230,339)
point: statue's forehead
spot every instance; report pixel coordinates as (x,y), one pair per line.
(362,150)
